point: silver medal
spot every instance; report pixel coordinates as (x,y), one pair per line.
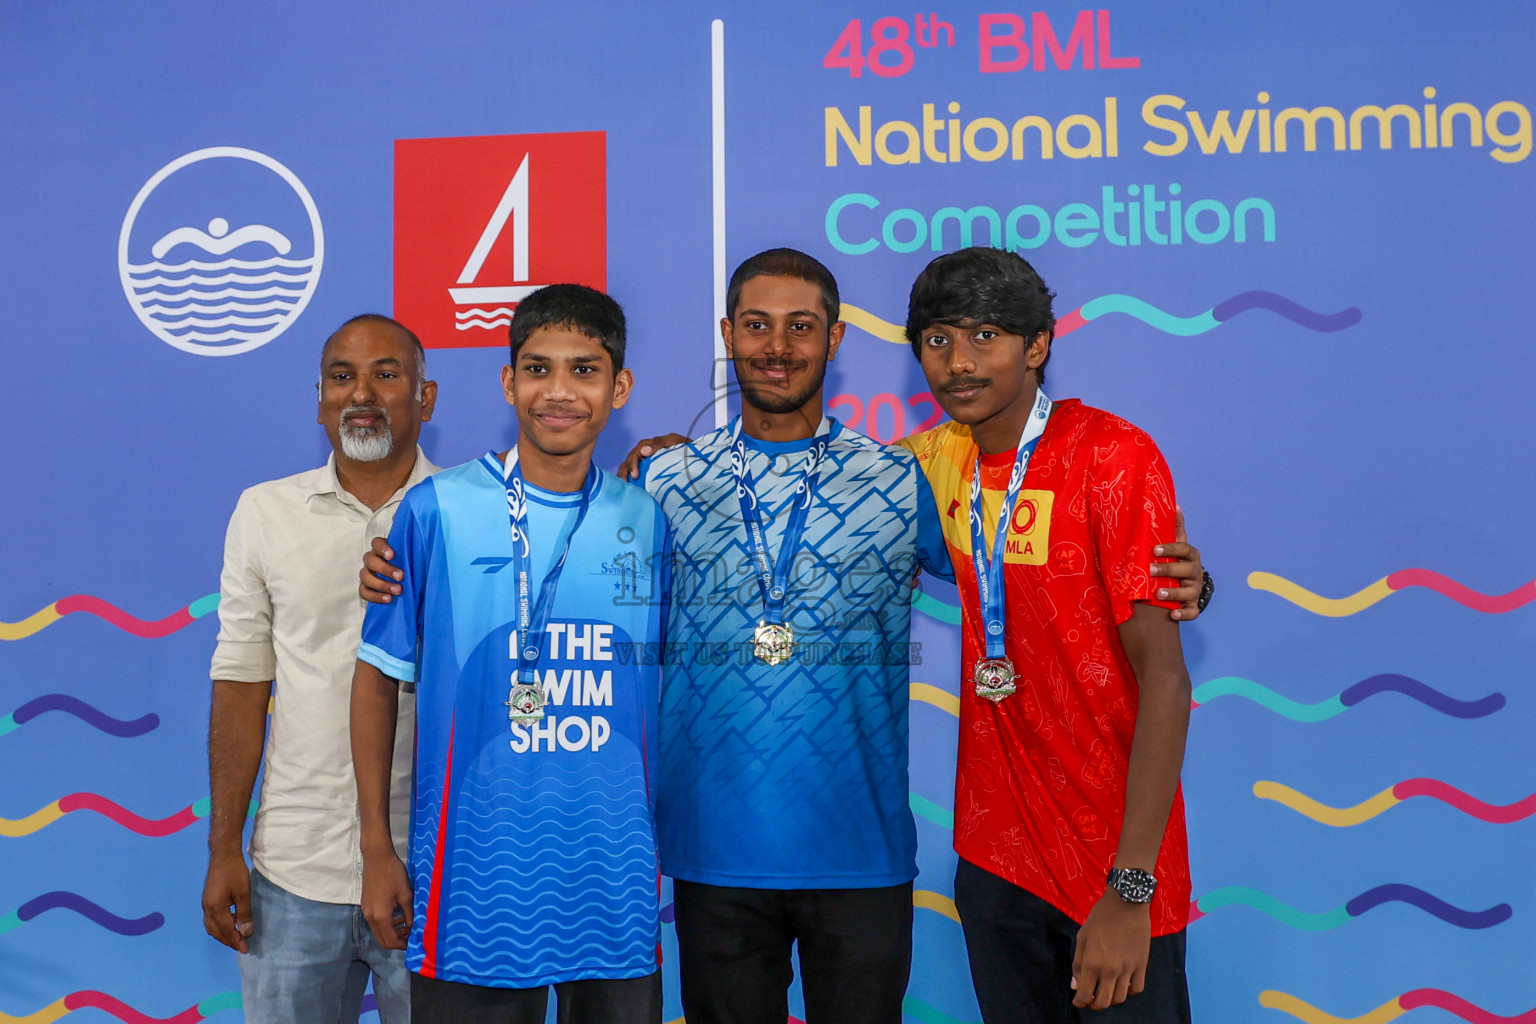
(526,703)
(993,678)
(773,643)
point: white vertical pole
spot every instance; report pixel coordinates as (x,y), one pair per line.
(717,96)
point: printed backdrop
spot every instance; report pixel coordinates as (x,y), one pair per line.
(1292,241)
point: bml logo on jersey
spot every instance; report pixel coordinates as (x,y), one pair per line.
(220,251)
(482,222)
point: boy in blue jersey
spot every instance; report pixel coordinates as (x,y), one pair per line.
(534,589)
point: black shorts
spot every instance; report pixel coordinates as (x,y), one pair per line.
(599,1001)
(1021,949)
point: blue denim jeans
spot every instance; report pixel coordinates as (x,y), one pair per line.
(309,962)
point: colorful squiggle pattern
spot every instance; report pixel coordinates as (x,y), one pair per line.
(88,999)
(85,908)
(1330,919)
(1152,316)
(80,709)
(939,698)
(1388,1011)
(932,607)
(45,617)
(1236,686)
(1342,817)
(155,827)
(1338,607)
(927,899)
(930,811)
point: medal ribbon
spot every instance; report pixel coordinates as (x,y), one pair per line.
(989,571)
(773,578)
(531,621)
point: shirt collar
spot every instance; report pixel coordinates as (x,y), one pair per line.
(327,483)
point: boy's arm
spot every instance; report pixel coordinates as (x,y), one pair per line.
(1114,942)
(386,889)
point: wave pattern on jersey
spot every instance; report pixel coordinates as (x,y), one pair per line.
(536,847)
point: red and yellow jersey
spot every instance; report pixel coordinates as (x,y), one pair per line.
(1040,786)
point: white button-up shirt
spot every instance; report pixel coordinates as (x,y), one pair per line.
(289,612)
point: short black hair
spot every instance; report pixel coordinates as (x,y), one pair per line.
(981,285)
(582,309)
(417,351)
(785,263)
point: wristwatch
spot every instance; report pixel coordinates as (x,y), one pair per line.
(1207,588)
(1133,884)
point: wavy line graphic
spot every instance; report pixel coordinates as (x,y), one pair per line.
(925,808)
(1338,607)
(1237,686)
(927,899)
(154,827)
(1393,1009)
(149,629)
(80,709)
(941,699)
(93,1000)
(63,900)
(1343,817)
(932,607)
(1152,316)
(1369,900)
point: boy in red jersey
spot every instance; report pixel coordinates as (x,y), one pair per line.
(1073,882)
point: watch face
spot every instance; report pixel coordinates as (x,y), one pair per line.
(1133,884)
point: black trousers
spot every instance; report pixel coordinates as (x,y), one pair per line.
(633,1001)
(1021,949)
(734,953)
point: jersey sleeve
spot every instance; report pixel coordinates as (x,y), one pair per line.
(245,652)
(392,632)
(932,551)
(1132,510)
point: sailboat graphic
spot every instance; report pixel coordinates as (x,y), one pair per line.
(220,288)
(514,207)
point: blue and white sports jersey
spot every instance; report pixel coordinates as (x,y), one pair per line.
(791,776)
(533,858)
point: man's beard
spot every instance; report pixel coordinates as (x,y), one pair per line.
(366,444)
(766,398)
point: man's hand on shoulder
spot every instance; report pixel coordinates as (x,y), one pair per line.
(1186,572)
(378,579)
(629,469)
(227,901)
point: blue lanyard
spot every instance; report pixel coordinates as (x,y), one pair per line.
(531,622)
(989,571)
(773,578)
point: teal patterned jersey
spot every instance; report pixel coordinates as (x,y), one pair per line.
(791,776)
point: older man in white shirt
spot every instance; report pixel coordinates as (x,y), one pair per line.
(289,612)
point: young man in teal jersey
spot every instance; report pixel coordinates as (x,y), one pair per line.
(532,855)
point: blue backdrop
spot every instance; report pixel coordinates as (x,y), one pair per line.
(1329,343)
